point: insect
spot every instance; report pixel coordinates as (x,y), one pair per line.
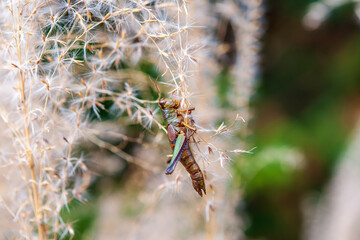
(180,129)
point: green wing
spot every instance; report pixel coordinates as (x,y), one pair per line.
(178,149)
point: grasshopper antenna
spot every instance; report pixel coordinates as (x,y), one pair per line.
(157,88)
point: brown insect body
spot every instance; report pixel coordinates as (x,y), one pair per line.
(188,161)
(177,124)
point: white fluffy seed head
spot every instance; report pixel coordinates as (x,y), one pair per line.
(60,62)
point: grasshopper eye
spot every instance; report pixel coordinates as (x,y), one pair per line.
(162,102)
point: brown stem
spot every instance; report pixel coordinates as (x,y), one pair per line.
(29,155)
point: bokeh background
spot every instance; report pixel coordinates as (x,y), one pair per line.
(307,103)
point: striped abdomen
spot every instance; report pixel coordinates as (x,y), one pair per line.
(188,161)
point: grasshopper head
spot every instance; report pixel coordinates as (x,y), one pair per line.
(169,103)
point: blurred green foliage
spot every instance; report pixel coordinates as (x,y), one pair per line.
(224,83)
(82,217)
(305,104)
